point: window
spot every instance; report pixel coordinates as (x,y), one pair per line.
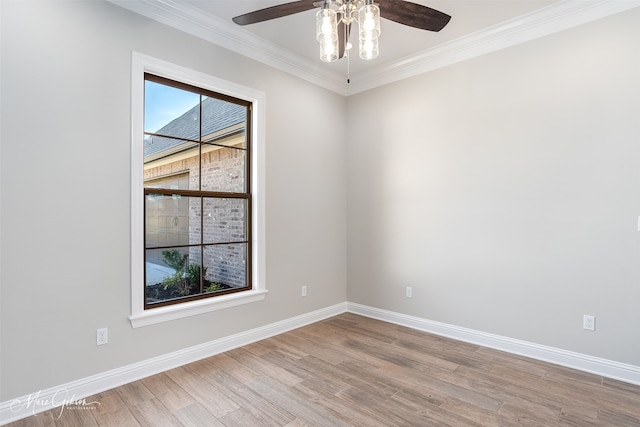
(197,189)
(196,177)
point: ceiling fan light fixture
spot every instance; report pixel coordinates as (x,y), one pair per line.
(335,18)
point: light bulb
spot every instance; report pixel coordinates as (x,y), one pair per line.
(369,24)
(326,28)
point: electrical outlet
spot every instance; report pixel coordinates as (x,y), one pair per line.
(408,292)
(102,336)
(589,322)
(304,291)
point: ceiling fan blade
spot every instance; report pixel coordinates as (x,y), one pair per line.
(344,30)
(274,12)
(413,15)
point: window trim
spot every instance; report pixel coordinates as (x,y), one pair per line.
(141,64)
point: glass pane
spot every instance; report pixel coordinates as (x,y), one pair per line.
(224,220)
(172,182)
(223,122)
(171,220)
(165,158)
(171,112)
(172,273)
(223,169)
(226,265)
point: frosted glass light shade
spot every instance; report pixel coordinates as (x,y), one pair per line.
(329,49)
(327,34)
(369,20)
(326,24)
(369,48)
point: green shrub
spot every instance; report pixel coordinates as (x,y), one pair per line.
(213,287)
(193,273)
(174,259)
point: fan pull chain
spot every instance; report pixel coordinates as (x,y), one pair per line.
(347,52)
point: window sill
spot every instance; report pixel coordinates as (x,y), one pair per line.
(187,309)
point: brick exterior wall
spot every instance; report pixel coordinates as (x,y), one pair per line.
(224,219)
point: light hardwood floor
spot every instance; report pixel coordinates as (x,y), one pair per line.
(355,371)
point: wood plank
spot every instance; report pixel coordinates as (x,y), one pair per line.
(618,419)
(471,412)
(153,412)
(172,396)
(259,407)
(256,363)
(112,411)
(245,417)
(202,391)
(134,393)
(75,416)
(195,415)
(352,413)
(305,410)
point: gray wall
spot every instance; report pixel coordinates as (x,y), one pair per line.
(506,191)
(66,71)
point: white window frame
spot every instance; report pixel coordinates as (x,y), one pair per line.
(141,64)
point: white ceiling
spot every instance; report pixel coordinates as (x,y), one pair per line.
(288,43)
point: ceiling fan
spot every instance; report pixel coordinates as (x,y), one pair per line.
(334,19)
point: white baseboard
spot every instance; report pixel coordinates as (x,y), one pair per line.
(595,365)
(74,392)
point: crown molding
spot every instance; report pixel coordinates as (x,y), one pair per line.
(188,19)
(551,19)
